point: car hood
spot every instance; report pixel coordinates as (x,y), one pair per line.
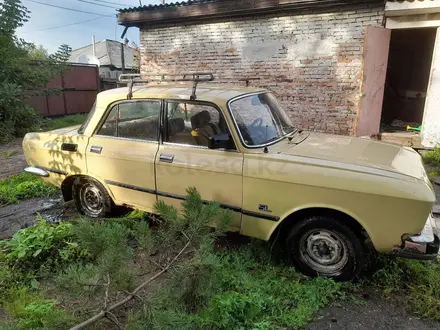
(357,151)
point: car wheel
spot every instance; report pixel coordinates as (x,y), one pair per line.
(322,246)
(92,198)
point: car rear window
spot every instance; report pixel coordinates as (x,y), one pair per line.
(133,120)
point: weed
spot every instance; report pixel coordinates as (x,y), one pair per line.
(43,246)
(415,284)
(8,153)
(236,290)
(23,186)
(50,124)
(33,312)
(143,235)
(433,158)
(434,174)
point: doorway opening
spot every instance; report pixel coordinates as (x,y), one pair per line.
(409,69)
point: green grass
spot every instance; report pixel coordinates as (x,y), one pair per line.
(23,186)
(432,158)
(32,311)
(237,289)
(8,153)
(245,287)
(49,124)
(411,283)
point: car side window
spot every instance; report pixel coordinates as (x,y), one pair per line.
(193,124)
(133,120)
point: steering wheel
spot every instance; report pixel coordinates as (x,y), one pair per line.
(257,122)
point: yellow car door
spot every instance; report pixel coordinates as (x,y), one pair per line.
(122,151)
(184,159)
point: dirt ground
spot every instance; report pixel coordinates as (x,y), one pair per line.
(369,311)
(13,164)
(18,216)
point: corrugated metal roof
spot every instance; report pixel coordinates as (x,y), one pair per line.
(195,2)
(108,52)
(171,4)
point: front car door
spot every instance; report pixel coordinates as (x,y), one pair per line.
(184,159)
(122,151)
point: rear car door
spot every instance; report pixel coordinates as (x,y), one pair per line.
(122,151)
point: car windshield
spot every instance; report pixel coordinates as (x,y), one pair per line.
(260,119)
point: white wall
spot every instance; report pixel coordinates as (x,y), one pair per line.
(431,119)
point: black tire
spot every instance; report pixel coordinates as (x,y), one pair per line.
(323,246)
(92,198)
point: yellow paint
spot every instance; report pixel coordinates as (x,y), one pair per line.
(382,186)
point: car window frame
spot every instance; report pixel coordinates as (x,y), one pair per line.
(114,104)
(164,133)
(237,128)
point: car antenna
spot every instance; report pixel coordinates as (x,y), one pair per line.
(266,150)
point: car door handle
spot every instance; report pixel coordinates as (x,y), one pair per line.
(71,147)
(166,158)
(95,149)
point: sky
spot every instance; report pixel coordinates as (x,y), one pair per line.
(44,26)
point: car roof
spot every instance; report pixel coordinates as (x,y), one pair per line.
(205,92)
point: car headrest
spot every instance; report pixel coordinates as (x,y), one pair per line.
(201,119)
(176,125)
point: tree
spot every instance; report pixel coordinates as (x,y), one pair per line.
(37,53)
(62,55)
(13,15)
(20,75)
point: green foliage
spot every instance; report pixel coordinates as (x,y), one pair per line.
(50,124)
(432,157)
(43,246)
(235,290)
(13,15)
(110,253)
(20,75)
(33,312)
(194,221)
(62,55)
(37,53)
(416,283)
(23,186)
(143,236)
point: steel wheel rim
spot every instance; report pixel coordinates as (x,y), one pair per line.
(324,251)
(91,199)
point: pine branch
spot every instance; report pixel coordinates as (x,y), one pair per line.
(107,286)
(132,295)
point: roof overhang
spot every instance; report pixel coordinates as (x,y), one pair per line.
(197,10)
(413,7)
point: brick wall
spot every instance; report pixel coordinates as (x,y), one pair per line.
(311,60)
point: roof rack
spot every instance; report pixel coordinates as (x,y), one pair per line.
(195,77)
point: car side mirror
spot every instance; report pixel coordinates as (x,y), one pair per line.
(221,141)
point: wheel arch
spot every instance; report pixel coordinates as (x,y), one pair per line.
(346,218)
(67,185)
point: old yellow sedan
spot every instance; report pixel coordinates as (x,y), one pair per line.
(326,197)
